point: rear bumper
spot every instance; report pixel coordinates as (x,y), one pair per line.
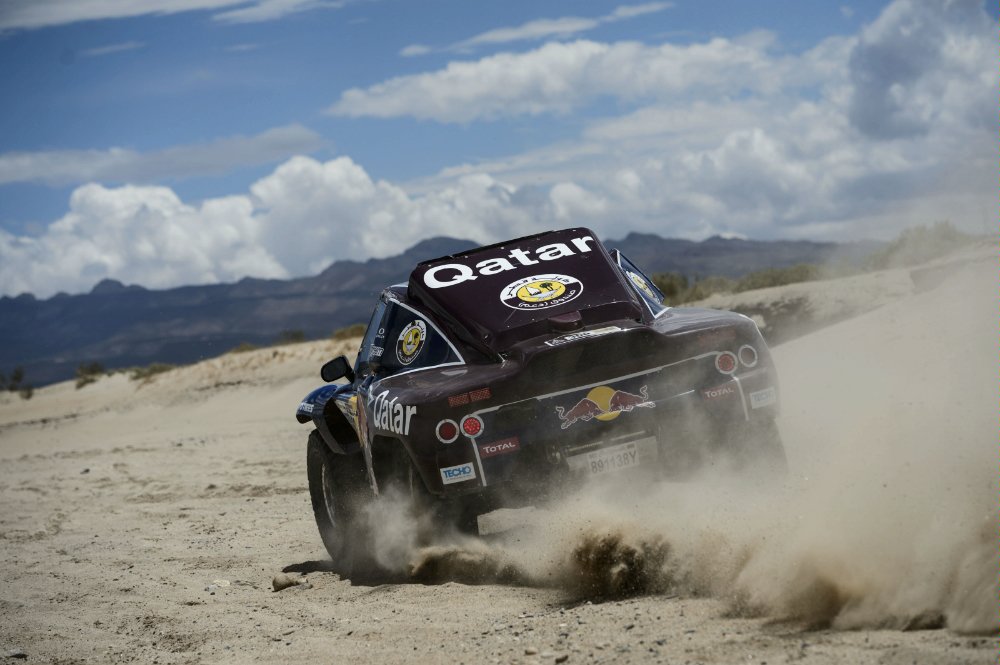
(667,415)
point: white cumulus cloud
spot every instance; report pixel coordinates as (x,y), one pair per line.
(543,28)
(859,136)
(293,222)
(558,77)
(269,10)
(70,167)
(144,235)
(30,14)
(111,48)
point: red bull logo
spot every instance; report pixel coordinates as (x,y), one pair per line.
(604,403)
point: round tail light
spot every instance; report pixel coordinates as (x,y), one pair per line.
(748,355)
(725,362)
(472,426)
(447,431)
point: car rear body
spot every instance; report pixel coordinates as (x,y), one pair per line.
(512,369)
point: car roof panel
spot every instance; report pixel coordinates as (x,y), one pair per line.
(496,296)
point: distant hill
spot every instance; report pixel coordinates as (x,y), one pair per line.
(731,257)
(122,326)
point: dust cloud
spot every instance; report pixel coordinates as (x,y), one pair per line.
(888,517)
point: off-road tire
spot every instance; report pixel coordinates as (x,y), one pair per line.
(338,487)
(764,451)
(462,515)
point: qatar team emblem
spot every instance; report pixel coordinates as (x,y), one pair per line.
(541,291)
(410,341)
(642,285)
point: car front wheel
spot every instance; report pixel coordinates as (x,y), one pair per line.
(336,485)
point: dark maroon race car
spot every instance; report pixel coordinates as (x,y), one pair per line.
(496,376)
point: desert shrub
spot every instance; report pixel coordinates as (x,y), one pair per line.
(672,284)
(290,337)
(149,371)
(919,244)
(763,279)
(87,373)
(348,332)
(678,290)
(16,384)
(703,288)
(243,347)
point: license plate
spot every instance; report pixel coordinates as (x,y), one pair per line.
(609,460)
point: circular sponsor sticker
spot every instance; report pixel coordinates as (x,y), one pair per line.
(410,341)
(641,283)
(541,291)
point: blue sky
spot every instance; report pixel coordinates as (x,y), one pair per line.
(168,142)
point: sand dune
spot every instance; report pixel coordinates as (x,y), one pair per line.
(144,522)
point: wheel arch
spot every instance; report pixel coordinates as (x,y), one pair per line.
(338,434)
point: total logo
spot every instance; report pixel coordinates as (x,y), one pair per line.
(541,291)
(502,447)
(725,390)
(458,474)
(605,404)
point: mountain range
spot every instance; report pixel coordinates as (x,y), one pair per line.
(123,326)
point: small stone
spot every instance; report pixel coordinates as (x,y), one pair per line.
(17,653)
(530,651)
(284,581)
(562,658)
(81,473)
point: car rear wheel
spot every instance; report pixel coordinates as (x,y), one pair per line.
(763,452)
(461,514)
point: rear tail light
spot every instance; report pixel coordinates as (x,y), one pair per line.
(748,355)
(458,400)
(480,395)
(471,396)
(725,362)
(447,431)
(472,426)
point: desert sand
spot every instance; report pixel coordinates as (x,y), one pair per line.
(144,522)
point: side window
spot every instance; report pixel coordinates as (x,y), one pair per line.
(412,342)
(644,286)
(373,345)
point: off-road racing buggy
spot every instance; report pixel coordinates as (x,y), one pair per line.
(496,375)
